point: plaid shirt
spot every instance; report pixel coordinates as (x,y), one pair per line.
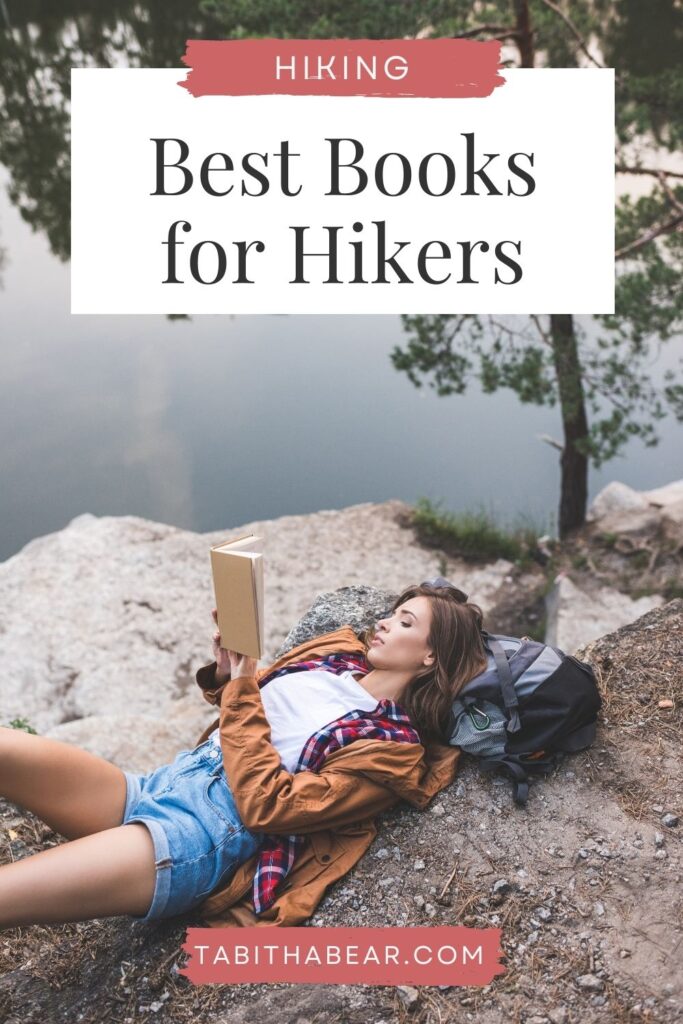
(387,722)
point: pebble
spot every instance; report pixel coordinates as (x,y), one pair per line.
(501,886)
(382,853)
(419,901)
(657,808)
(599,908)
(659,839)
(419,865)
(408,995)
(670,820)
(623,953)
(542,913)
(661,855)
(590,982)
(438,810)
(558,1015)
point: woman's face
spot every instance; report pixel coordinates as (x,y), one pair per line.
(400,641)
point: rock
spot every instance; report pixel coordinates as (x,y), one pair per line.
(408,995)
(358,607)
(668,497)
(500,887)
(590,982)
(670,820)
(620,510)
(558,1015)
(122,605)
(575,617)
(615,498)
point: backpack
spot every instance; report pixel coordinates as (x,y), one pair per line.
(531,703)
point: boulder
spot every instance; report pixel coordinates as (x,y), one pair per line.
(575,617)
(104,623)
(622,511)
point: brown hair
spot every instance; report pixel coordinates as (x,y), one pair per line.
(455,638)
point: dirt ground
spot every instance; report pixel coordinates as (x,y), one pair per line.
(589,894)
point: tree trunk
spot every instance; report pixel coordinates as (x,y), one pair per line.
(524,33)
(574,463)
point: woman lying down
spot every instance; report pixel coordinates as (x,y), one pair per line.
(278,798)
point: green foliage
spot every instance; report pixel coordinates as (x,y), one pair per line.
(475,536)
(22,723)
(672,589)
(332,19)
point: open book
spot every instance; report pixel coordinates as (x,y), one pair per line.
(237,567)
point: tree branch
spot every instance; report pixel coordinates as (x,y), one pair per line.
(654,232)
(572,28)
(498,29)
(668,192)
(623,169)
(545,337)
(551,441)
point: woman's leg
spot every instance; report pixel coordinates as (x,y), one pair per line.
(73,791)
(102,875)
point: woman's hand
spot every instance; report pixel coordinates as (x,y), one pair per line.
(221,655)
(230,664)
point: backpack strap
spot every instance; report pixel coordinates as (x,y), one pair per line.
(505,678)
(520,779)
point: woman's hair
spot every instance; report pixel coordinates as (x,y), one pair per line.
(455,638)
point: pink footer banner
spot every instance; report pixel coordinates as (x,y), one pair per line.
(344,956)
(444,68)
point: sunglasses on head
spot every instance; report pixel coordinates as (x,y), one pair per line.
(441,583)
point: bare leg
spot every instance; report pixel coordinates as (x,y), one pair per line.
(102,875)
(71,790)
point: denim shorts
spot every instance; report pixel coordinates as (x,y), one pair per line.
(199,840)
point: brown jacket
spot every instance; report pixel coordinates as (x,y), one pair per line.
(335,807)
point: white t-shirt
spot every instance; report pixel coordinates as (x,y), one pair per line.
(300,703)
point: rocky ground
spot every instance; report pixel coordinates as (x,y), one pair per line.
(585,884)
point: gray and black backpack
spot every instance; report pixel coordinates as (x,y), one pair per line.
(531,703)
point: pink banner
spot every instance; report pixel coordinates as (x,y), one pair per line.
(344,956)
(444,68)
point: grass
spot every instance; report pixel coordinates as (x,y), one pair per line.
(22,723)
(475,536)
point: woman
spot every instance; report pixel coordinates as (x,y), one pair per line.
(248,826)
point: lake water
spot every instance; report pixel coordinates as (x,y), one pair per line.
(215,421)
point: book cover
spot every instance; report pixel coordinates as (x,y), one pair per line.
(395,288)
(237,568)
